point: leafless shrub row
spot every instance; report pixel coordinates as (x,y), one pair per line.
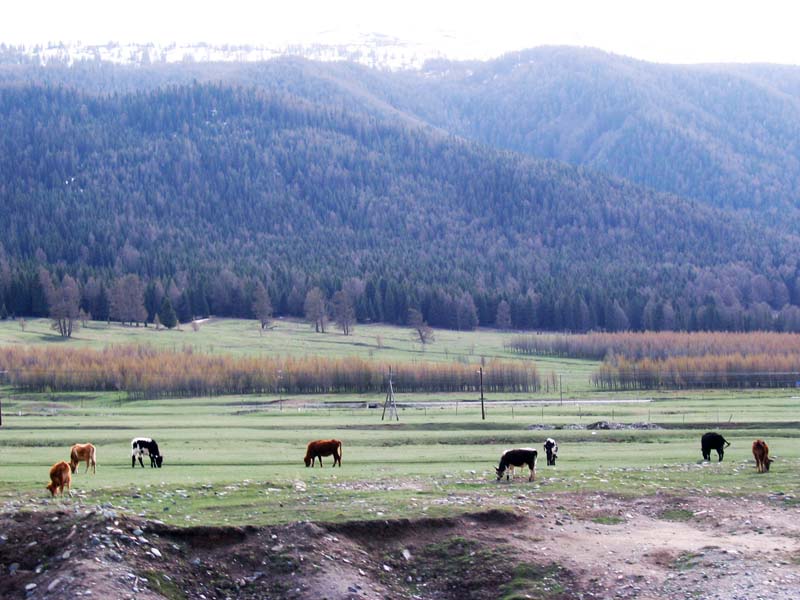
(147,372)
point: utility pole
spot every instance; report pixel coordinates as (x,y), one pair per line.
(560,389)
(483,409)
(389,402)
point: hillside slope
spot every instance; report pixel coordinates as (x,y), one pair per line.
(726,135)
(186,182)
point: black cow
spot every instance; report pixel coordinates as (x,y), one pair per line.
(145,447)
(713,441)
(551,448)
(517,458)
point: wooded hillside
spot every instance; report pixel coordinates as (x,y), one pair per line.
(206,191)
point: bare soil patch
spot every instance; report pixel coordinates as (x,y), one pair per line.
(556,546)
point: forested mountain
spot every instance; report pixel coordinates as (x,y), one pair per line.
(727,135)
(206,190)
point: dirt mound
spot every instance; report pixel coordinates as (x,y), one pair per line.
(557,547)
(69,552)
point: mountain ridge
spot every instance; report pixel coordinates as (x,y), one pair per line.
(201,185)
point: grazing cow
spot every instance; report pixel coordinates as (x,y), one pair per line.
(320,448)
(517,458)
(713,441)
(761,454)
(551,448)
(145,447)
(59,478)
(83,452)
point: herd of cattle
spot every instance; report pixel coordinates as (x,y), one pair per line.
(61,472)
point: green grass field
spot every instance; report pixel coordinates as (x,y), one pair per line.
(239,459)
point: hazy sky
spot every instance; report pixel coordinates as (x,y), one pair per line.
(664,31)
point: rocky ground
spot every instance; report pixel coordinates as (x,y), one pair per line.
(554,546)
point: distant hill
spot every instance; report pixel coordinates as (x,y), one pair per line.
(726,135)
(212,188)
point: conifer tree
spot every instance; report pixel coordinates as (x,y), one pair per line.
(166,313)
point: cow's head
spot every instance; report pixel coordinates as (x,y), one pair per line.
(767,463)
(500,472)
(73,466)
(52,488)
(307,461)
(159,460)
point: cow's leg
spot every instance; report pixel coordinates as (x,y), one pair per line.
(133,461)
(721,453)
(140,461)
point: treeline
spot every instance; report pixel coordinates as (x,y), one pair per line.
(206,193)
(709,371)
(656,345)
(142,371)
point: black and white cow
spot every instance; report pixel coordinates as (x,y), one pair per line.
(145,447)
(551,448)
(517,458)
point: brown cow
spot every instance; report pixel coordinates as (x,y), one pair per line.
(321,448)
(59,478)
(83,452)
(761,454)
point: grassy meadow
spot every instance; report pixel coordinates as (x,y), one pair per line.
(239,459)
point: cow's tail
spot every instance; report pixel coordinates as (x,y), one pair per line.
(727,443)
(340,451)
(94,456)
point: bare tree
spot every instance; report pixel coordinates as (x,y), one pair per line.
(315,309)
(64,304)
(127,300)
(422,331)
(262,306)
(344,312)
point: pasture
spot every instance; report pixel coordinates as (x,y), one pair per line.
(239,459)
